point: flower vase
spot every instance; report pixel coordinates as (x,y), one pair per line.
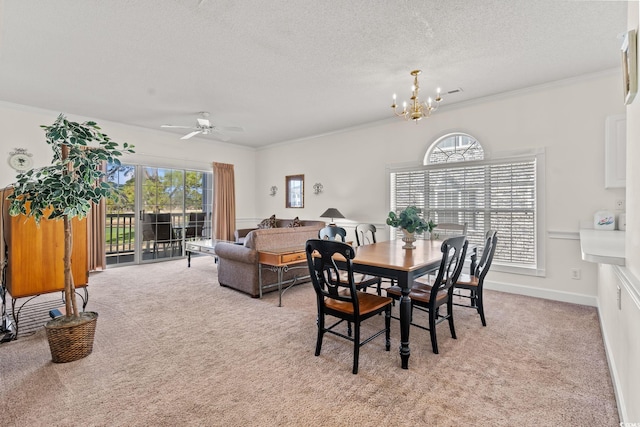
(408,239)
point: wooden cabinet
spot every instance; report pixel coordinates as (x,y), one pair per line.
(35,254)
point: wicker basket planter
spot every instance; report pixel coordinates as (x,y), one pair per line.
(71,339)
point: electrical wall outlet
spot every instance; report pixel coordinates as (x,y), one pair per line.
(620,205)
(575,273)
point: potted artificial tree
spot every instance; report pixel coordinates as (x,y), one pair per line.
(64,190)
(410,222)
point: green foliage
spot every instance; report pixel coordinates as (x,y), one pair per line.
(410,220)
(162,189)
(70,185)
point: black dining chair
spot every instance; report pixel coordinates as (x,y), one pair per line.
(363,281)
(474,283)
(332,232)
(439,291)
(366,235)
(337,295)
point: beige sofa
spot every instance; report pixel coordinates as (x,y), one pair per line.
(238,263)
(241,233)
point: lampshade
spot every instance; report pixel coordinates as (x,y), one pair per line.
(332,213)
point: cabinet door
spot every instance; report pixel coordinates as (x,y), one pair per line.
(35,254)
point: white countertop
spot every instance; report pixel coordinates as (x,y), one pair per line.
(601,246)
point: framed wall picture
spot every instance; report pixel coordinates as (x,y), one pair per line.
(295,191)
(629,66)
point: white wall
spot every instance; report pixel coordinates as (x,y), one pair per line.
(567,119)
(619,287)
(633,174)
(21,129)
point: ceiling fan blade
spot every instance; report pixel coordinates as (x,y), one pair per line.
(189,135)
(204,123)
(176,127)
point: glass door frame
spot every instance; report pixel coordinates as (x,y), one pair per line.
(193,222)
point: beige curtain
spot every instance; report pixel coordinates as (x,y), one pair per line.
(96,236)
(96,240)
(224,201)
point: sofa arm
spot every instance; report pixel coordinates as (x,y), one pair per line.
(241,233)
(237,253)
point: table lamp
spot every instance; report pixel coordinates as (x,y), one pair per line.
(332,213)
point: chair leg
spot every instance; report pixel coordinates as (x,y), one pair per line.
(387,325)
(320,321)
(356,348)
(450,317)
(481,308)
(432,330)
(349,330)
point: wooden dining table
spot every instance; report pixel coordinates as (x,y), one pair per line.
(388,259)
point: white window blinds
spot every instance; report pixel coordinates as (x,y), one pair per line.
(499,195)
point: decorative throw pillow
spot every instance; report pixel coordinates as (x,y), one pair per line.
(268,222)
(296,223)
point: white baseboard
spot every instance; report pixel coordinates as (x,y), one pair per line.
(613,370)
(542,293)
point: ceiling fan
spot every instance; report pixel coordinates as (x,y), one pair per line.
(205,127)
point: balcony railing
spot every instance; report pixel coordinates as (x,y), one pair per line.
(120,231)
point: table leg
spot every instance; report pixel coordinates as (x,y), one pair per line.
(405,325)
(280,278)
(188,258)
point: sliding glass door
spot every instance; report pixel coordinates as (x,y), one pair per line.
(120,216)
(160,210)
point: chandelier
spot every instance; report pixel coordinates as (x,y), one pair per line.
(417,110)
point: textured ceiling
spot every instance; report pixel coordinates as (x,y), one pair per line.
(288,69)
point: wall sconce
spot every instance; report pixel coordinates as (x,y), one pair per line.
(273,190)
(317,188)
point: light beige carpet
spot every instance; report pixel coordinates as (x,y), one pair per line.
(173,348)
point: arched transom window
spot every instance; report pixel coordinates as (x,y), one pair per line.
(454,147)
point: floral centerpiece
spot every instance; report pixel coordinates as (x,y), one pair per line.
(410,222)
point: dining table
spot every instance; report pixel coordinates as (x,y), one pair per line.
(388,259)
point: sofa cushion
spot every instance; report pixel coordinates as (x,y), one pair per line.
(288,223)
(268,222)
(296,223)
